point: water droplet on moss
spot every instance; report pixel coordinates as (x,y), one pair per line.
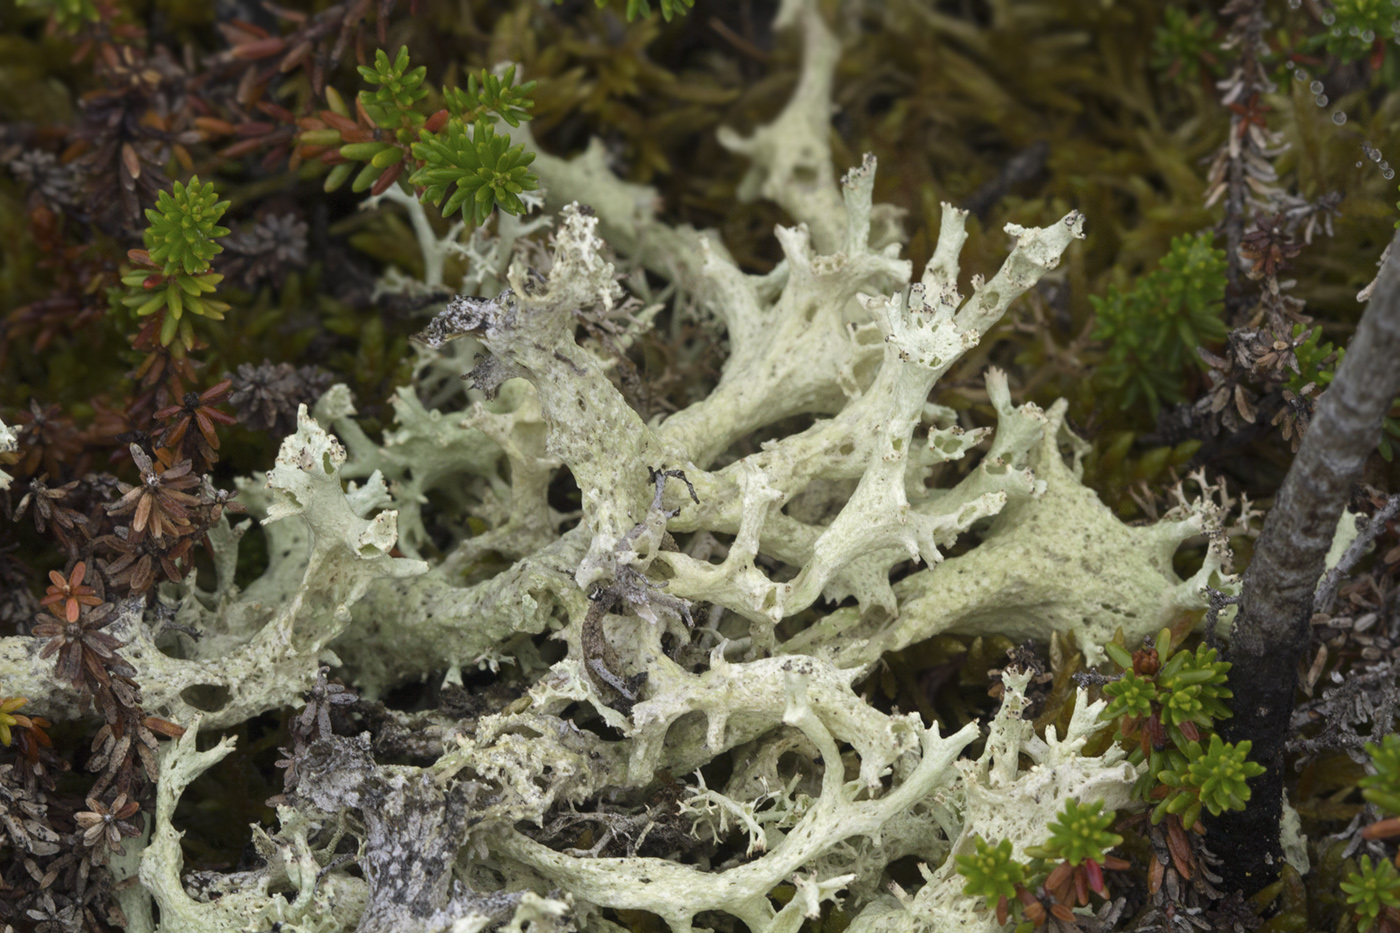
(1388,174)
(1321,100)
(1315,87)
(1368,36)
(1328,17)
(1338,117)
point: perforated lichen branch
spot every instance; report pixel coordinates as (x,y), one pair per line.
(997,800)
(791,157)
(677,892)
(784,362)
(844,334)
(262,658)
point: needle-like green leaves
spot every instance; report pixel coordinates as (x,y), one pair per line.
(482,170)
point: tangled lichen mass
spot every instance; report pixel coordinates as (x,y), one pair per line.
(661,503)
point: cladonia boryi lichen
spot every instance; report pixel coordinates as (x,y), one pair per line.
(661,614)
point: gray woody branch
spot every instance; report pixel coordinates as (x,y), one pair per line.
(1271,631)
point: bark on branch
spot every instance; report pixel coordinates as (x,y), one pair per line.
(1271,632)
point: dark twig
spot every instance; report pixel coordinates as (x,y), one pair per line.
(1272,629)
(1218,601)
(1365,536)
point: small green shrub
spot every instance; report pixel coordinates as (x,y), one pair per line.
(1152,330)
(1215,778)
(991,872)
(437,153)
(1383,787)
(172,274)
(1353,26)
(1166,705)
(1080,834)
(1184,42)
(1371,891)
(483,169)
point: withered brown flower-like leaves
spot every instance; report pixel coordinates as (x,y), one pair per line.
(46,502)
(30,739)
(103,827)
(85,652)
(127,736)
(266,397)
(24,816)
(172,363)
(216,501)
(71,592)
(1269,246)
(1295,414)
(317,43)
(139,562)
(159,503)
(130,128)
(47,440)
(198,410)
(268,250)
(136,566)
(312,723)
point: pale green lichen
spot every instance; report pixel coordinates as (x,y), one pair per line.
(8,443)
(260,646)
(791,157)
(288,889)
(677,516)
(996,798)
